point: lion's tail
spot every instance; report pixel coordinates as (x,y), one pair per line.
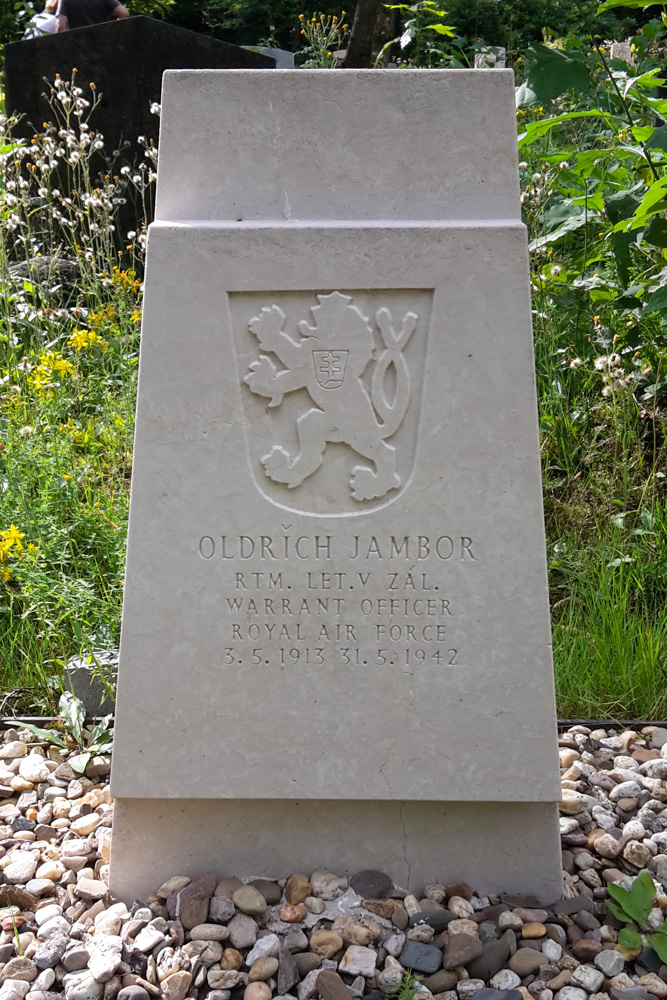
(391,412)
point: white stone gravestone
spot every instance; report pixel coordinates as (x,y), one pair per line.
(336,647)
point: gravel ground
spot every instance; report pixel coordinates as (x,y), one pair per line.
(318,934)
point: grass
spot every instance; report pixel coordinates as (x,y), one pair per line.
(69,336)
(68,366)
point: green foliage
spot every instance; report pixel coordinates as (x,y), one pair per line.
(552,72)
(14,17)
(629,939)
(658,942)
(633,908)
(69,331)
(415,43)
(150,8)
(594,184)
(630,4)
(247,22)
(407,989)
(94,740)
(634,905)
(517,24)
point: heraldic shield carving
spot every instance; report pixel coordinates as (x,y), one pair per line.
(332,390)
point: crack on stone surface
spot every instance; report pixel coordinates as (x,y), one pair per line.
(383,765)
(405,844)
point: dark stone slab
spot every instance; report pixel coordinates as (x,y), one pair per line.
(45,832)
(288,973)
(489,994)
(372,884)
(125,59)
(21,823)
(421,957)
(492,960)
(649,960)
(331,986)
(270,890)
(440,982)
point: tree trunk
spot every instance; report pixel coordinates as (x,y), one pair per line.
(360,49)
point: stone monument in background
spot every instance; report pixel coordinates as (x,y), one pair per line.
(125,59)
(336,647)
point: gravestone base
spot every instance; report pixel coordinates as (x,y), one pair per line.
(496,847)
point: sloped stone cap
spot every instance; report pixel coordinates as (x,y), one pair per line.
(390,145)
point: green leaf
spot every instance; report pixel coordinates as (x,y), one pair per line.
(524,96)
(621,243)
(616,911)
(656,232)
(629,939)
(659,944)
(100,729)
(535,130)
(622,204)
(648,521)
(575,222)
(442,29)
(73,714)
(45,734)
(658,139)
(79,762)
(643,893)
(632,4)
(645,80)
(655,194)
(657,300)
(637,902)
(554,72)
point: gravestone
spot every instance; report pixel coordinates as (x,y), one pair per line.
(492,57)
(622,51)
(283,58)
(335,647)
(125,59)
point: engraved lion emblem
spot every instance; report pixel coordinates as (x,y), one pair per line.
(328,359)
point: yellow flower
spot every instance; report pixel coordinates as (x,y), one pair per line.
(12,536)
(63,367)
(32,549)
(6,573)
(82,339)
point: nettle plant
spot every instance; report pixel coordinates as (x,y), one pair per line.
(90,740)
(635,908)
(593,137)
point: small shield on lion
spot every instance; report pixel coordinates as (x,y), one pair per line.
(330,368)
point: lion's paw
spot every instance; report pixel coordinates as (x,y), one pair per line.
(367,486)
(277,466)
